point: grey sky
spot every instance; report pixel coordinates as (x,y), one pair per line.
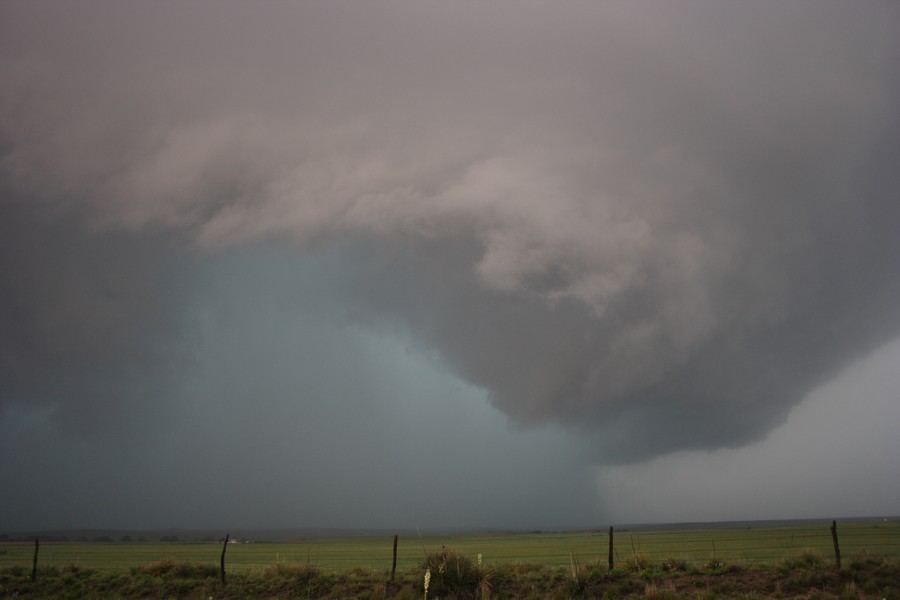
(367,264)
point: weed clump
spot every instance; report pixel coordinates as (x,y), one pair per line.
(865,560)
(654,592)
(637,562)
(157,568)
(178,569)
(673,565)
(585,579)
(305,572)
(454,574)
(717,566)
(805,559)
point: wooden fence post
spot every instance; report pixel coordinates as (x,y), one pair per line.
(610,548)
(222,560)
(394,564)
(837,549)
(34,562)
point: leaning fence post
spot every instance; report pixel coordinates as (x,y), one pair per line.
(837,549)
(34,562)
(394,564)
(610,548)
(222,560)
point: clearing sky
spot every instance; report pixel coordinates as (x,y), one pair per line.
(448,264)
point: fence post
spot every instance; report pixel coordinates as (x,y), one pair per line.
(837,549)
(34,562)
(394,564)
(222,560)
(610,548)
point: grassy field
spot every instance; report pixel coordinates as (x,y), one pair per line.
(731,563)
(747,546)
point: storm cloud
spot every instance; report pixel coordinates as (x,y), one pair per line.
(658,225)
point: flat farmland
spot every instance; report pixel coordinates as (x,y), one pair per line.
(745,545)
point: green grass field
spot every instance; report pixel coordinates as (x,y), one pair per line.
(748,546)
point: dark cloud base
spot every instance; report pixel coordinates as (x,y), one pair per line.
(656,225)
(92,322)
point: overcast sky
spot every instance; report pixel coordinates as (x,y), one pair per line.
(431,264)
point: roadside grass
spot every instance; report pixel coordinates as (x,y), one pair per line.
(459,576)
(758,562)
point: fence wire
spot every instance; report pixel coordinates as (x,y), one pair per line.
(749,545)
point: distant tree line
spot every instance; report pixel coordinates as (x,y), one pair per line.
(48,537)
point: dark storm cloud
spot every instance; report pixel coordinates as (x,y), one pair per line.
(89,323)
(657,223)
(288,415)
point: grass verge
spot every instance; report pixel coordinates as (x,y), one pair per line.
(455,575)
